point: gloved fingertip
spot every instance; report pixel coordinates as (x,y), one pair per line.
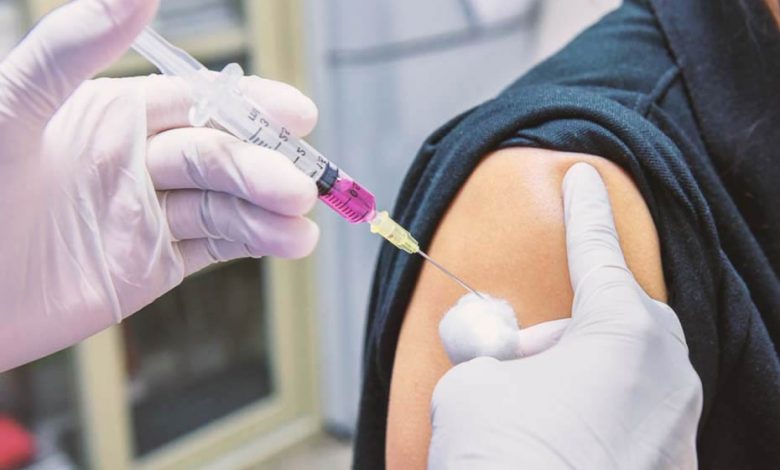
(297,196)
(299,113)
(285,103)
(580,171)
(592,240)
(539,338)
(579,177)
(298,242)
(289,192)
(309,115)
(307,197)
(311,239)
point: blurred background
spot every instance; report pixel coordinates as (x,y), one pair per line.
(256,363)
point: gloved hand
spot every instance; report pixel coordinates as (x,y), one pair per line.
(108,198)
(617,391)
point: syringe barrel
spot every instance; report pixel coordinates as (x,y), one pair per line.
(346,196)
(224,103)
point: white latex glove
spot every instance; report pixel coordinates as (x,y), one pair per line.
(108,198)
(616,392)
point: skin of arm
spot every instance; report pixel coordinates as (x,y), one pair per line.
(774,7)
(504,235)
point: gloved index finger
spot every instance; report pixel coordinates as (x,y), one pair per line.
(169,100)
(592,240)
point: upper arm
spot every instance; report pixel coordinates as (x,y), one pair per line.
(504,235)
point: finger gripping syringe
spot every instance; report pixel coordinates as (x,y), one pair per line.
(218,98)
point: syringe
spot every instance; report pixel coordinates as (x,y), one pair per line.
(218,99)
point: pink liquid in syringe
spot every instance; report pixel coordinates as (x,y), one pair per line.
(351,200)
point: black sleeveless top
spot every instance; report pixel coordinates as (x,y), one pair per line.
(685,95)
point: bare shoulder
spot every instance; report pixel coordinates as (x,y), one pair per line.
(503,234)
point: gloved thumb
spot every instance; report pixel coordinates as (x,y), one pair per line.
(592,243)
(68,46)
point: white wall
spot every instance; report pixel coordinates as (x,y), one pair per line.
(11,24)
(561,20)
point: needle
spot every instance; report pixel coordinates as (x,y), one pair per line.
(452,276)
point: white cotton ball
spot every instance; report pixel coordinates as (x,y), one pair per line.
(477,327)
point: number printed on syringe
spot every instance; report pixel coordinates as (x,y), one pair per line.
(301,154)
(255,138)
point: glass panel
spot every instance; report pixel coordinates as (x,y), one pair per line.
(198,353)
(39,416)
